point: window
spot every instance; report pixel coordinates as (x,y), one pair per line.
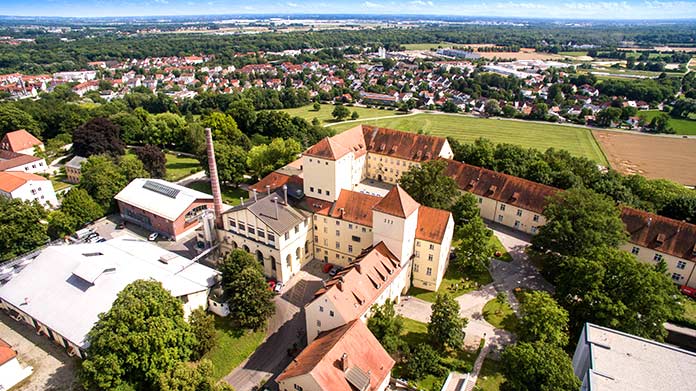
(657,257)
(681,265)
(261,233)
(431,247)
(430,257)
(429,271)
(251,230)
(536,218)
(298,388)
(356,238)
(417,243)
(297,228)
(321,308)
(635,250)
(350,226)
(500,218)
(676,276)
(338,245)
(233,223)
(319,191)
(326,242)
(316,239)
(480,200)
(331,313)
(364,230)
(287,235)
(502,206)
(271,237)
(328,192)
(338,222)
(519,212)
(534,229)
(318,323)
(417,253)
(326,230)
(350,248)
(242,227)
(415,267)
(338,233)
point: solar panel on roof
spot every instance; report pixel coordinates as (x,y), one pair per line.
(161,189)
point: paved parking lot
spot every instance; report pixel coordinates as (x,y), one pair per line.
(54,370)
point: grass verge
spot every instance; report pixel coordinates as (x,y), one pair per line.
(455,283)
(179,167)
(500,316)
(504,255)
(680,125)
(230,195)
(232,347)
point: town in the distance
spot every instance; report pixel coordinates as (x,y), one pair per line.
(347,202)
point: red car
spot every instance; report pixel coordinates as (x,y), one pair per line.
(691,292)
(327,267)
(271,285)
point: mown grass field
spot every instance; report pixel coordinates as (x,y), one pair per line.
(179,167)
(230,195)
(500,315)
(324,114)
(491,377)
(681,126)
(232,346)
(455,283)
(576,140)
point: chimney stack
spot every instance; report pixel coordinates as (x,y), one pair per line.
(285,193)
(268,189)
(345,364)
(255,196)
(214,181)
(343,211)
(275,201)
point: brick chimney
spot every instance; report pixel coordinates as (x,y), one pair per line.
(345,364)
(214,181)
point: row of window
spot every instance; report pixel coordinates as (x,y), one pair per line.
(428,270)
(390,160)
(430,256)
(338,223)
(319,162)
(658,257)
(311,190)
(251,230)
(430,246)
(535,218)
(26,168)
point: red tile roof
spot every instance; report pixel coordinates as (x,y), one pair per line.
(352,344)
(354,289)
(501,187)
(9,159)
(673,237)
(11,180)
(327,149)
(356,207)
(402,145)
(432,224)
(397,203)
(19,140)
(7,353)
(275,180)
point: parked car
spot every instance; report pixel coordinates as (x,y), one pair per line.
(334,270)
(688,291)
(271,285)
(100,240)
(153,236)
(120,226)
(278,287)
(327,267)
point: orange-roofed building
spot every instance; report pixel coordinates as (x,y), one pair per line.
(373,278)
(11,372)
(346,358)
(28,187)
(20,141)
(433,240)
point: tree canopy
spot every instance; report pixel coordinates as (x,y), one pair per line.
(446,327)
(386,326)
(543,320)
(98,136)
(21,227)
(429,185)
(154,160)
(536,366)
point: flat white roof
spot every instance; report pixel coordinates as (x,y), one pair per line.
(67,287)
(160,197)
(626,362)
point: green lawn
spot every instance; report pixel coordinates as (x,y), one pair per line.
(415,332)
(232,346)
(230,195)
(574,54)
(59,184)
(504,255)
(681,126)
(324,114)
(455,283)
(490,378)
(576,140)
(500,316)
(180,167)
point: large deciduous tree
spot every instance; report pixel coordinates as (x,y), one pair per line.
(78,204)
(387,326)
(225,129)
(21,227)
(13,118)
(543,319)
(262,159)
(446,327)
(340,112)
(143,336)
(429,185)
(98,136)
(102,179)
(579,220)
(475,247)
(537,366)
(203,328)
(187,376)
(231,162)
(154,160)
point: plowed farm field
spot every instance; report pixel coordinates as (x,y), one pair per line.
(651,156)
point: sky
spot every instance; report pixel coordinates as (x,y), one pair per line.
(567,9)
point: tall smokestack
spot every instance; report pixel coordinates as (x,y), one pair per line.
(214,181)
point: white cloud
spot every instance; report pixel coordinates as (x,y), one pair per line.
(369,4)
(162,1)
(293,5)
(422,3)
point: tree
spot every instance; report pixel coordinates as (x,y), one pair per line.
(543,320)
(262,159)
(539,111)
(537,366)
(224,128)
(203,328)
(60,224)
(244,114)
(475,248)
(423,361)
(21,227)
(509,111)
(153,159)
(250,301)
(600,288)
(449,107)
(98,136)
(142,336)
(78,204)
(387,326)
(492,107)
(446,327)
(354,116)
(429,185)
(102,180)
(579,220)
(501,299)
(187,376)
(465,209)
(13,118)
(681,208)
(340,112)
(608,116)
(316,106)
(660,124)
(231,162)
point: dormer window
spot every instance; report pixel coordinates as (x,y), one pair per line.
(660,239)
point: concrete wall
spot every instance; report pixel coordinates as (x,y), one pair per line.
(438,265)
(321,315)
(509,215)
(386,168)
(324,179)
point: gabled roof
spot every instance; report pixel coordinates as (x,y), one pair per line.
(327,149)
(76,162)
(9,159)
(7,353)
(19,140)
(402,145)
(11,181)
(397,203)
(354,207)
(432,224)
(501,187)
(273,211)
(673,237)
(354,289)
(338,359)
(162,198)
(275,181)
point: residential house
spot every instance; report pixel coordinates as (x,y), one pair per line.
(12,161)
(73,169)
(11,371)
(28,187)
(159,206)
(21,141)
